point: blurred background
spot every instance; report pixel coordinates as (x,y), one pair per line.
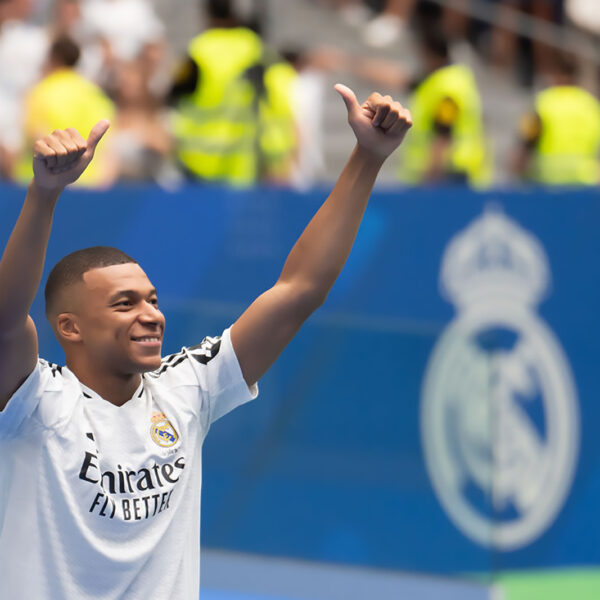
(431,432)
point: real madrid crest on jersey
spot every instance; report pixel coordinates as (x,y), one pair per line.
(499,413)
(162,432)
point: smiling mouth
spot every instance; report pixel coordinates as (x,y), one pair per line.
(153,339)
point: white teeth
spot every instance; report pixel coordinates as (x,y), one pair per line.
(147,339)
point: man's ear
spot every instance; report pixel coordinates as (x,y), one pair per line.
(67,327)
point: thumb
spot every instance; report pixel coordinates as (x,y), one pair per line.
(348,96)
(98,130)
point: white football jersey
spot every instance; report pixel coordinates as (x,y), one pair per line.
(100,501)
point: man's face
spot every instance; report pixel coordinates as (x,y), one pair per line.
(119,322)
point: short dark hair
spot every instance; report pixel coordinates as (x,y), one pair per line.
(565,63)
(219,9)
(64,51)
(435,41)
(70,269)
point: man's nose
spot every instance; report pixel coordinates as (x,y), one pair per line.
(151,314)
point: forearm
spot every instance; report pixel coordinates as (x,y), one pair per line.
(23,259)
(321,251)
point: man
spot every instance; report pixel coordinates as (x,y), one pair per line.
(100,463)
(447,144)
(233,121)
(560,140)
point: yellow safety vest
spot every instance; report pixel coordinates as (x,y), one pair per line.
(66,99)
(216,126)
(467,154)
(278,138)
(231,128)
(567,149)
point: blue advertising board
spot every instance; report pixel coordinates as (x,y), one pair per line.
(438,414)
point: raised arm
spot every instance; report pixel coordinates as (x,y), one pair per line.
(59,159)
(313,265)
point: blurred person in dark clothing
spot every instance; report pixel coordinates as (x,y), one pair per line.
(560,139)
(233,120)
(64,98)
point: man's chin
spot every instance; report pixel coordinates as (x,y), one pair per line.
(144,364)
(149,365)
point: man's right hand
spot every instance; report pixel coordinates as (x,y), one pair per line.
(60,158)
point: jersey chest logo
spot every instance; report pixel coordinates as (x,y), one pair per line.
(162,432)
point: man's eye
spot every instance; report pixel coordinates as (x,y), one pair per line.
(154,301)
(123,303)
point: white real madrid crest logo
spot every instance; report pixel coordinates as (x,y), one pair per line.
(499,414)
(162,432)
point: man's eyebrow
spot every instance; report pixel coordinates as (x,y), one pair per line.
(130,293)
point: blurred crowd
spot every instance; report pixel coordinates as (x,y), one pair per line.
(235,110)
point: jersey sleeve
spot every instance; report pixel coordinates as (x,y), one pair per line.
(212,369)
(26,400)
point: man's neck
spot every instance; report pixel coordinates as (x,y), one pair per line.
(116,389)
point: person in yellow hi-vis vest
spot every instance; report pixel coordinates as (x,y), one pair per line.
(560,139)
(447,142)
(63,98)
(234,115)
(278,136)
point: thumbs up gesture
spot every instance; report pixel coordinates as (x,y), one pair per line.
(379,124)
(60,158)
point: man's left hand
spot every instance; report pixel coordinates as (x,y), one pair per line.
(379,124)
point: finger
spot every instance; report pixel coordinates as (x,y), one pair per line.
(74,151)
(67,141)
(407,117)
(404,123)
(397,128)
(58,150)
(397,111)
(381,112)
(367,110)
(41,150)
(96,134)
(349,98)
(62,152)
(77,139)
(76,136)
(43,154)
(391,119)
(373,101)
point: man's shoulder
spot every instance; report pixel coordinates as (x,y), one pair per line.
(46,398)
(56,378)
(201,354)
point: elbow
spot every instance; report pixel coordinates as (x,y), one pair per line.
(311,298)
(303,298)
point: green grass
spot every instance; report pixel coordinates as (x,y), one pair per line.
(566,584)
